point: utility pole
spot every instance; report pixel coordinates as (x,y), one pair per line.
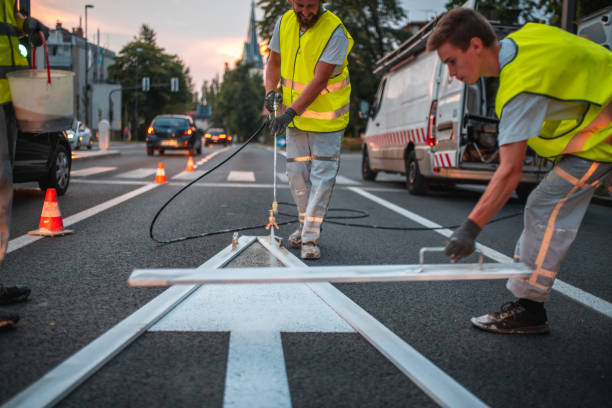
(87,6)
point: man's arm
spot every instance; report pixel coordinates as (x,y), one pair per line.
(502,184)
(322,73)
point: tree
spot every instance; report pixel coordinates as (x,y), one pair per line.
(375,28)
(143,57)
(554,8)
(240,99)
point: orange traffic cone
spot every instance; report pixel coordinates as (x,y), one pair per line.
(190,164)
(51,223)
(160,176)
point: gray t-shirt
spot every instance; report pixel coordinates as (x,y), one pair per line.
(523,116)
(334,51)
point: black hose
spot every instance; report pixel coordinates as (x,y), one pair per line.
(329,219)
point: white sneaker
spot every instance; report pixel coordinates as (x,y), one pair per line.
(310,250)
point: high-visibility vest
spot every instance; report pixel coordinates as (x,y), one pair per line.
(329,112)
(10,58)
(559,65)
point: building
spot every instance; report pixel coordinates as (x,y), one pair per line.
(69,51)
(250,50)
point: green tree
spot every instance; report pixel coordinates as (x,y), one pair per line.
(143,57)
(554,8)
(375,28)
(240,100)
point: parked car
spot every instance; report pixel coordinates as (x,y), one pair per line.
(44,158)
(217,135)
(173,132)
(81,137)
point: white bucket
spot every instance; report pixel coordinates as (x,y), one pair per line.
(40,106)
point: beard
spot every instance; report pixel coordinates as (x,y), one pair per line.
(307,23)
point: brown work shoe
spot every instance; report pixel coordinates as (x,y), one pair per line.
(310,250)
(295,239)
(8,320)
(513,318)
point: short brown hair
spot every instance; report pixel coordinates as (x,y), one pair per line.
(458,27)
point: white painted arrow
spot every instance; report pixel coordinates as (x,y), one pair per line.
(255,315)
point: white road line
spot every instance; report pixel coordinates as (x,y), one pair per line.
(20,242)
(345,180)
(282,177)
(235,175)
(90,171)
(600,305)
(188,175)
(137,174)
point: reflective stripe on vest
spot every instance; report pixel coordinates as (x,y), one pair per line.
(553,63)
(10,58)
(329,112)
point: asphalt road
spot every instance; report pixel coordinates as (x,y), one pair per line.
(189,358)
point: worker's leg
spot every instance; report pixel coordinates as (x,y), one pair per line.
(299,159)
(553,214)
(325,164)
(7,149)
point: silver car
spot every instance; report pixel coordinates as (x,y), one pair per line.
(81,137)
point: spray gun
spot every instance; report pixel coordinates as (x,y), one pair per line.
(274,211)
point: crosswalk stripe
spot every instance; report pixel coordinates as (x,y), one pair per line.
(138,173)
(90,171)
(345,180)
(241,176)
(188,175)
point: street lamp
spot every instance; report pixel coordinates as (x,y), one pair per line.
(138,50)
(87,6)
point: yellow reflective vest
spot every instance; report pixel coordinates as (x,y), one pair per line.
(10,58)
(559,65)
(329,112)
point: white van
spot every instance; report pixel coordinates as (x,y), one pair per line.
(433,128)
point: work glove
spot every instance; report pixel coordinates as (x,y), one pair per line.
(269,101)
(278,124)
(463,241)
(31,27)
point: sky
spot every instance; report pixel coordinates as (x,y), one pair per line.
(204,33)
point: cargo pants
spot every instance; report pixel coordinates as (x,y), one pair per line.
(8,139)
(313,161)
(553,214)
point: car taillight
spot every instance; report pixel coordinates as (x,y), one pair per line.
(222,136)
(188,132)
(431,137)
(207,136)
(229,138)
(150,131)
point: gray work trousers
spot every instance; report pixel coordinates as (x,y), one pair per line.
(553,214)
(8,139)
(313,160)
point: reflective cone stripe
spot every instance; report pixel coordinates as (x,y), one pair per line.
(160,176)
(51,223)
(190,164)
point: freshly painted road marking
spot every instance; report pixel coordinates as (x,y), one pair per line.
(255,315)
(188,175)
(235,175)
(90,171)
(600,305)
(24,240)
(282,177)
(137,174)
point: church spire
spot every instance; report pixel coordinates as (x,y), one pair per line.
(250,51)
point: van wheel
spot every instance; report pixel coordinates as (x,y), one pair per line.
(366,171)
(414,179)
(59,173)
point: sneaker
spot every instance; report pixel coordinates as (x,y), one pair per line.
(8,320)
(513,318)
(310,250)
(13,294)
(295,239)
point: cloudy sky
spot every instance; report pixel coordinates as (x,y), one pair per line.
(204,33)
